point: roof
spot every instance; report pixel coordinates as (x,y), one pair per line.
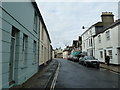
(94,25)
(38,11)
(117,22)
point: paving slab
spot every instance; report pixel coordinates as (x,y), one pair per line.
(42,78)
(115,68)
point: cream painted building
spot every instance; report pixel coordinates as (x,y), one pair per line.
(53,54)
(108,43)
(58,53)
(45,49)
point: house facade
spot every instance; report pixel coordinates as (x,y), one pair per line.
(88,45)
(108,43)
(58,53)
(19,42)
(88,42)
(67,52)
(76,46)
(45,48)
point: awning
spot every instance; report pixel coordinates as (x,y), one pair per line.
(76,53)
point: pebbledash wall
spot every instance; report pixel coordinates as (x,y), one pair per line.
(19,42)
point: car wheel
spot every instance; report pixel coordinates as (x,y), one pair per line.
(97,66)
(86,65)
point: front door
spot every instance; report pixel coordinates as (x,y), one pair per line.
(104,54)
(12,57)
(119,56)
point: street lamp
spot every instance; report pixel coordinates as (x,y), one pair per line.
(83,27)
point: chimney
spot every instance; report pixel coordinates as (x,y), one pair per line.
(107,18)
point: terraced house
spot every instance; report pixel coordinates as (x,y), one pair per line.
(45,45)
(19,42)
(108,43)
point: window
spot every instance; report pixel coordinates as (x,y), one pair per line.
(35,22)
(90,42)
(108,35)
(24,50)
(101,54)
(42,32)
(42,54)
(84,45)
(34,51)
(110,53)
(13,56)
(99,38)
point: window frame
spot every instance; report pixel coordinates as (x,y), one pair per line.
(107,35)
(110,54)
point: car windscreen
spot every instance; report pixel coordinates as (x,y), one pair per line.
(91,58)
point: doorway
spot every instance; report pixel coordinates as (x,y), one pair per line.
(104,55)
(118,55)
(13,48)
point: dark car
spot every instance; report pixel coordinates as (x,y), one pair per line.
(91,61)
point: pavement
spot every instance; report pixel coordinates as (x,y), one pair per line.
(114,68)
(43,79)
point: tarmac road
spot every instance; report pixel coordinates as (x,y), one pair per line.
(73,75)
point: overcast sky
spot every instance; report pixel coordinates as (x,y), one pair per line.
(64,20)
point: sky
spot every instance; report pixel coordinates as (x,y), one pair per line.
(64,19)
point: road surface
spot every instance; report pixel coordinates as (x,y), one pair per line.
(73,75)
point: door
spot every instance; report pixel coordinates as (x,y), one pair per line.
(118,55)
(104,55)
(12,57)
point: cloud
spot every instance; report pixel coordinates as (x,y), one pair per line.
(65,19)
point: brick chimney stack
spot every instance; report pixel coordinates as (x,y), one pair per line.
(107,18)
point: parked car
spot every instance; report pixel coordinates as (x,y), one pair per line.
(91,61)
(76,59)
(81,60)
(70,57)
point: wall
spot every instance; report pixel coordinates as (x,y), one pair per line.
(119,35)
(45,50)
(21,16)
(0,47)
(105,44)
(65,54)
(85,39)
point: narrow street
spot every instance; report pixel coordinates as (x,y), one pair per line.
(73,75)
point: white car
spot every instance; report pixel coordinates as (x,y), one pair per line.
(91,61)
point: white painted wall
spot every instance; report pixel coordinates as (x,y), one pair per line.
(112,44)
(85,39)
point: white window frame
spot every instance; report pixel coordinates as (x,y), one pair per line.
(101,54)
(107,35)
(99,38)
(110,54)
